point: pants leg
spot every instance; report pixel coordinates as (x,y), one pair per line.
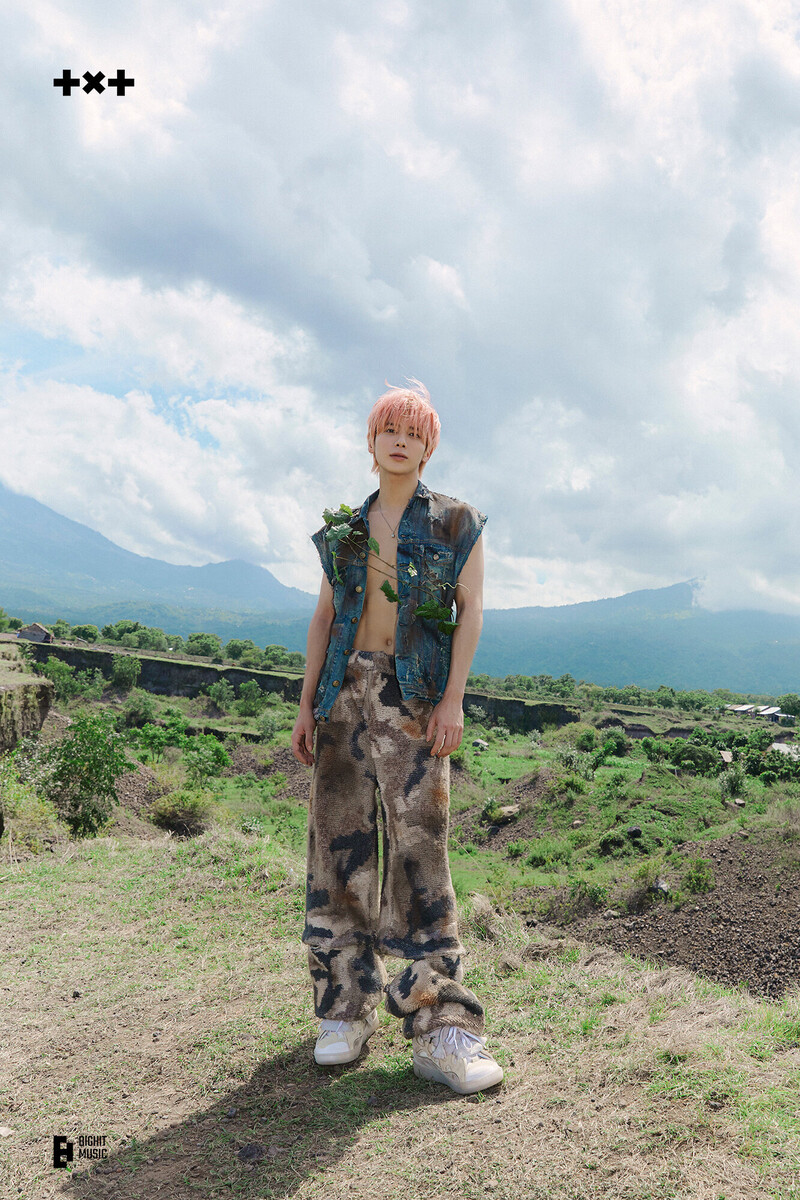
(418,918)
(374,737)
(342,862)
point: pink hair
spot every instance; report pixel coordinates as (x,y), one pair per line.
(410,404)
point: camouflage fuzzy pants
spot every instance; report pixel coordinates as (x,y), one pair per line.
(372,740)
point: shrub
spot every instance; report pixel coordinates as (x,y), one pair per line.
(268,725)
(546,852)
(138,710)
(89,633)
(491,811)
(205,757)
(185,813)
(25,816)
(207,645)
(82,772)
(476,714)
(586,740)
(251,698)
(62,676)
(615,743)
(699,877)
(90,684)
(733,782)
(176,725)
(126,671)
(223,694)
(153,739)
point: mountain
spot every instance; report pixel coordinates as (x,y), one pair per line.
(51,566)
(647,637)
(60,567)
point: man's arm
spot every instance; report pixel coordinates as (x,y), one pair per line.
(469,615)
(446,723)
(319,635)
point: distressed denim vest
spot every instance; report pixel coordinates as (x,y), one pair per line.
(436,534)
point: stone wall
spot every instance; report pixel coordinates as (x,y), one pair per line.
(170,677)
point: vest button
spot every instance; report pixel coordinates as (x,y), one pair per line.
(353,620)
(359,588)
(336,683)
(436,556)
(363,556)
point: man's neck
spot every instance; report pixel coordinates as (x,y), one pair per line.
(394,494)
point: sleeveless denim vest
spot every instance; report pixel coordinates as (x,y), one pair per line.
(436,534)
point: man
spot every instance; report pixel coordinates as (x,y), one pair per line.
(384,689)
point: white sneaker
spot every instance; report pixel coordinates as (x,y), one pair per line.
(451,1055)
(343,1041)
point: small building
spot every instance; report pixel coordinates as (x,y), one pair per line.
(35,633)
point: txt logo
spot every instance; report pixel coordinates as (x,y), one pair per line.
(94,82)
(62,1151)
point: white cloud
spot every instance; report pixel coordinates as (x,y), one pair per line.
(577,223)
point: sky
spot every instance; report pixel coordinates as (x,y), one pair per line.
(576,221)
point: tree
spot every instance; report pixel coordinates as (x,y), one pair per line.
(61,628)
(126,671)
(236,647)
(153,739)
(251,698)
(790,703)
(89,633)
(204,644)
(222,694)
(204,757)
(62,676)
(82,773)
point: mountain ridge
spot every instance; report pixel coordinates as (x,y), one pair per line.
(51,566)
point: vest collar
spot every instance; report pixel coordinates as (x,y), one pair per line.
(420,491)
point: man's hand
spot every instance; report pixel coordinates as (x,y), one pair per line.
(303,737)
(446,727)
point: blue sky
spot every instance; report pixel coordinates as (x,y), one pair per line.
(576,223)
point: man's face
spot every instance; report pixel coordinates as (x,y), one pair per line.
(399,448)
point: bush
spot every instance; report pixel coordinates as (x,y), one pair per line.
(25,816)
(126,671)
(205,757)
(138,710)
(206,645)
(153,739)
(476,714)
(699,877)
(185,813)
(62,676)
(268,725)
(90,684)
(82,771)
(89,633)
(222,694)
(733,782)
(586,740)
(251,698)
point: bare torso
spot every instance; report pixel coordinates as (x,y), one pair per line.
(376,629)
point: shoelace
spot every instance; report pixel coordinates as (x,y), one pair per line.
(458,1041)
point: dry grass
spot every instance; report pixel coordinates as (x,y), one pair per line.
(156,993)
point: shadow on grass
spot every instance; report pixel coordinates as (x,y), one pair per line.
(292,1119)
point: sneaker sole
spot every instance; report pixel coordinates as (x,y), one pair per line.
(426,1070)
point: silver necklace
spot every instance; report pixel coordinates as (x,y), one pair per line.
(397,526)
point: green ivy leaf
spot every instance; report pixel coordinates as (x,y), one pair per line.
(373,545)
(389,591)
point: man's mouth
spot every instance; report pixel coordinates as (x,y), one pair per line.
(397,455)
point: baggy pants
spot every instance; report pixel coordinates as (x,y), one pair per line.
(374,739)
